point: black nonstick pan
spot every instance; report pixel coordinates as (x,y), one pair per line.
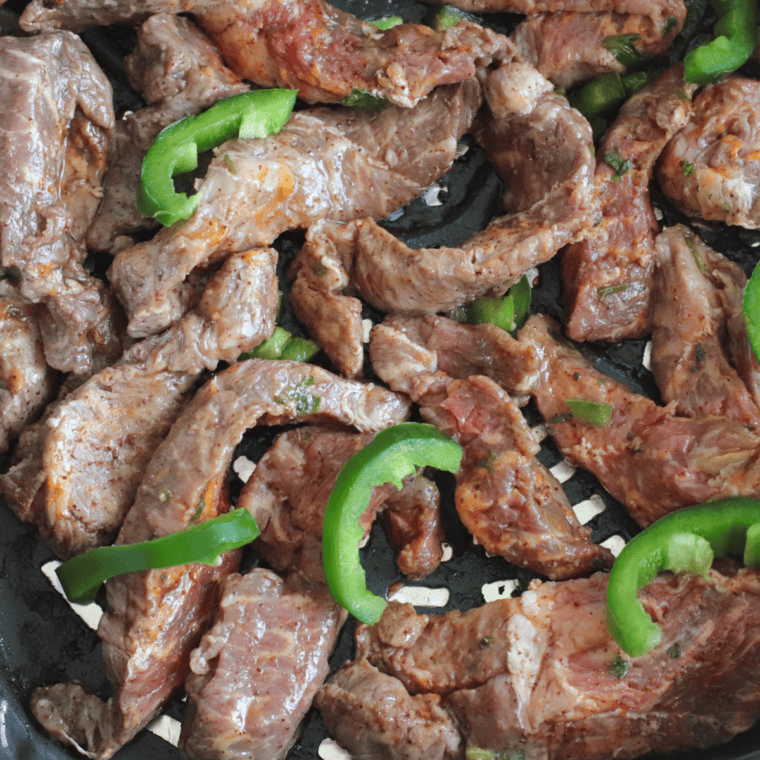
(44,641)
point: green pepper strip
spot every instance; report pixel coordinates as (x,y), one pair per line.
(393,454)
(282,344)
(508,312)
(82,575)
(685,540)
(751,310)
(736,35)
(175,150)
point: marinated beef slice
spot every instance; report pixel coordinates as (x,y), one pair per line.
(608,277)
(156,618)
(541,676)
(56,125)
(77,473)
(512,504)
(647,457)
(325,163)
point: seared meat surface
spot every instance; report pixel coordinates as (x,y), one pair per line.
(323,164)
(56,124)
(608,276)
(691,359)
(543,150)
(506,498)
(709,169)
(568,48)
(95,445)
(179,73)
(533,674)
(256,671)
(27,383)
(648,458)
(307,45)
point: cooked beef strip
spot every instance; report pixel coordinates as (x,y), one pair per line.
(179,73)
(649,459)
(27,383)
(156,618)
(412,521)
(690,362)
(709,168)
(238,705)
(326,53)
(608,276)
(568,47)
(56,124)
(154,621)
(288,493)
(534,673)
(255,672)
(308,45)
(541,147)
(373,716)
(325,163)
(95,445)
(505,497)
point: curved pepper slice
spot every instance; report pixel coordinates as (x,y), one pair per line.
(393,454)
(685,540)
(82,575)
(736,34)
(175,150)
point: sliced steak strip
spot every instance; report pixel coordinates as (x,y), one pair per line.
(690,347)
(93,448)
(372,715)
(540,146)
(156,618)
(27,383)
(326,53)
(608,277)
(307,45)
(505,497)
(179,73)
(709,169)
(56,124)
(291,485)
(325,163)
(256,671)
(533,674)
(567,47)
(650,460)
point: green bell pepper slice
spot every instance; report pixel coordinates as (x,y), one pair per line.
(736,34)
(393,454)
(685,540)
(175,150)
(751,310)
(81,576)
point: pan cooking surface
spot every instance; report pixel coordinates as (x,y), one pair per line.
(43,641)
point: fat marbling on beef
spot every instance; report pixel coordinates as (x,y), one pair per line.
(709,168)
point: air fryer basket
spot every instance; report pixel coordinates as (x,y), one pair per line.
(42,641)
